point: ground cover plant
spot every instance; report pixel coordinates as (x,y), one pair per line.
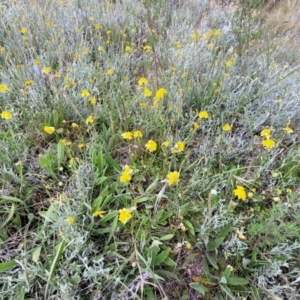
(148,150)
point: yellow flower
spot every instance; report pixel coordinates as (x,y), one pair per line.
(127,135)
(3,88)
(151,146)
(100,49)
(142,81)
(266,133)
(218,33)
(142,104)
(49,129)
(92,100)
(74,125)
(37,62)
(240,192)
(27,83)
(188,245)
(137,134)
(173,177)
(196,125)
(179,147)
(240,235)
(81,145)
(160,94)
(70,220)
(203,114)
(85,93)
(99,213)
(229,62)
(166,143)
(288,129)
(89,120)
(6,115)
(147,48)
(268,143)
(46,70)
(109,72)
(227,127)
(125,215)
(23,30)
(126,174)
(147,93)
(127,49)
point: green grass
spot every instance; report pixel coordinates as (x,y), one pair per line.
(88,214)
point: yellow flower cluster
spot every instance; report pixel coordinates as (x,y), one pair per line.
(128,135)
(126,174)
(268,143)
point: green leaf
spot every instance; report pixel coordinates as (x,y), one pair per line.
(167,237)
(46,165)
(190,226)
(111,161)
(60,250)
(227,272)
(7,265)
(10,215)
(212,260)
(169,262)
(199,288)
(60,153)
(113,228)
(161,257)
(227,291)
(109,216)
(101,180)
(220,238)
(36,254)
(237,281)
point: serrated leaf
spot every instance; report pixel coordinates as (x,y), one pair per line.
(237,281)
(199,288)
(161,257)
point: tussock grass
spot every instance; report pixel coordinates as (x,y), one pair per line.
(148,150)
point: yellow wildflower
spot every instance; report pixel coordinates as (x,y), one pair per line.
(128,49)
(99,213)
(92,100)
(160,93)
(46,70)
(218,33)
(166,143)
(240,235)
(147,93)
(229,62)
(268,143)
(227,127)
(74,125)
(109,72)
(70,220)
(126,174)
(203,114)
(23,30)
(27,83)
(266,133)
(142,81)
(6,115)
(240,192)
(196,125)
(127,135)
(179,147)
(3,88)
(89,120)
(49,129)
(188,245)
(137,134)
(125,215)
(85,93)
(100,49)
(288,129)
(151,146)
(173,177)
